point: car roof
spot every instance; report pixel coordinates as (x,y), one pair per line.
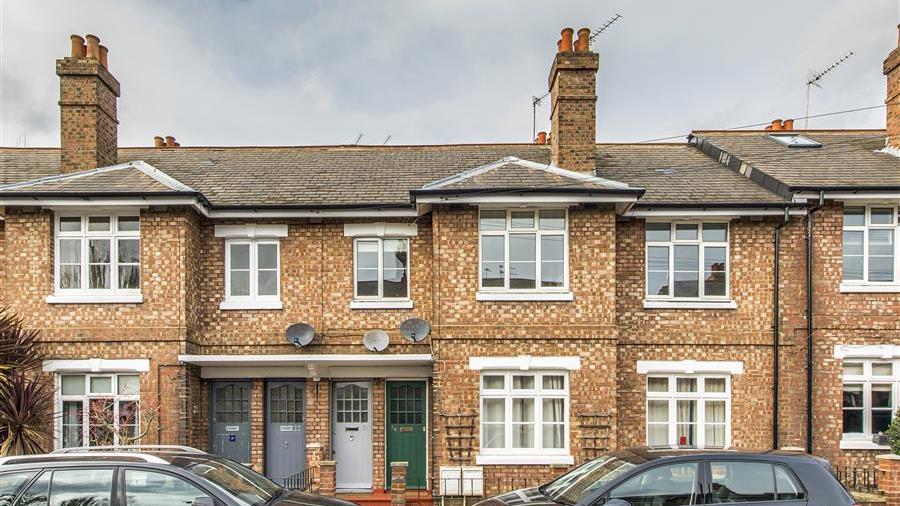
(644,454)
(112,454)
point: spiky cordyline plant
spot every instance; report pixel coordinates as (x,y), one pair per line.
(25,409)
(19,347)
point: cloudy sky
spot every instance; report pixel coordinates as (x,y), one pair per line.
(452,71)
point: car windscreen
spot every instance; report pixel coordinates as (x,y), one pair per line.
(240,482)
(581,481)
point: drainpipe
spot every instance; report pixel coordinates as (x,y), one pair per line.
(775,327)
(809,321)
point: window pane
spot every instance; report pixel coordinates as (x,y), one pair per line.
(881,269)
(129,277)
(686,385)
(715,412)
(522,410)
(69,276)
(70,224)
(395,253)
(658,258)
(553,410)
(98,251)
(101,385)
(395,281)
(742,482)
(494,410)
(881,255)
(673,484)
(881,396)
(146,488)
(493,220)
(714,271)
(493,382)
(522,261)
(657,283)
(853,415)
(98,223)
(882,216)
(657,435)
(715,436)
(72,424)
(786,485)
(853,242)
(714,384)
(686,426)
(129,223)
(129,251)
(268,283)
(267,256)
(854,216)
(881,420)
(657,384)
(881,369)
(240,283)
(240,256)
(523,383)
(853,396)
(38,492)
(493,436)
(658,232)
(523,426)
(687,258)
(10,483)
(72,385)
(521,219)
(686,232)
(552,435)
(553,382)
(553,219)
(552,274)
(69,251)
(686,284)
(658,411)
(99,276)
(852,369)
(492,257)
(551,248)
(129,385)
(81,486)
(715,232)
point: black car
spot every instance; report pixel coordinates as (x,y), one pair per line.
(657,477)
(143,476)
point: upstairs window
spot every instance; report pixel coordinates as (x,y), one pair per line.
(252,270)
(523,250)
(687,260)
(98,253)
(382,269)
(870,244)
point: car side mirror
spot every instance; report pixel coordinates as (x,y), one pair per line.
(617,502)
(203,501)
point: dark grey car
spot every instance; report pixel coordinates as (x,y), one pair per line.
(154,477)
(651,477)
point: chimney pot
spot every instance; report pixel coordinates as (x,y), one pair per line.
(104,53)
(177,144)
(78,49)
(787,124)
(776,124)
(566,39)
(584,40)
(541,138)
(158,142)
(170,141)
(93,47)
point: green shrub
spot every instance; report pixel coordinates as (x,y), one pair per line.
(893,433)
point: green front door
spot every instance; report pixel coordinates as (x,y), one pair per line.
(406,412)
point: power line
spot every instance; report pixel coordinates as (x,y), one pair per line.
(813,78)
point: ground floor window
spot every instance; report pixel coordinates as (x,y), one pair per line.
(524,412)
(871,388)
(98,409)
(688,410)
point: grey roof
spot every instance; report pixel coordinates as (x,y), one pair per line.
(123,179)
(847,158)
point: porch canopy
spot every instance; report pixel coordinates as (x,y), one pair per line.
(312,366)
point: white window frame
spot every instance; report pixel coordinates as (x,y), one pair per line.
(867,379)
(701,244)
(850,284)
(253,300)
(701,396)
(538,394)
(113,235)
(536,230)
(380,241)
(85,399)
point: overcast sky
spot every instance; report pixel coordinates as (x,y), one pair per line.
(454,71)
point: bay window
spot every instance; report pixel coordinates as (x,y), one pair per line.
(98,409)
(870,253)
(523,250)
(381,268)
(97,254)
(689,411)
(869,396)
(687,260)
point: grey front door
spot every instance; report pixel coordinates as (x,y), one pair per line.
(352,435)
(285,429)
(229,420)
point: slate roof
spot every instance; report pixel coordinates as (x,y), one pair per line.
(131,179)
(846,158)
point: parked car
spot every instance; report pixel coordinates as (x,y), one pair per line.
(141,476)
(667,477)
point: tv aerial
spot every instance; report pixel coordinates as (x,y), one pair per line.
(376,340)
(415,329)
(813,78)
(300,334)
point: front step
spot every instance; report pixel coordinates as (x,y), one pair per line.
(383,498)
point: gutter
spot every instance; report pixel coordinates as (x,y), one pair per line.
(776,316)
(809,321)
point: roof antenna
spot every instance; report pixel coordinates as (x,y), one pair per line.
(536,101)
(358,138)
(386,139)
(813,78)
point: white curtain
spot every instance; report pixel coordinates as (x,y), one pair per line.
(553,426)
(687,426)
(715,423)
(523,423)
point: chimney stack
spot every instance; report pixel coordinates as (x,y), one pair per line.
(573,113)
(87,105)
(892,101)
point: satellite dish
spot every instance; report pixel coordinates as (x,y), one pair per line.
(300,334)
(415,329)
(376,340)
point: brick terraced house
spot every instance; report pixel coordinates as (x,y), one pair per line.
(741,289)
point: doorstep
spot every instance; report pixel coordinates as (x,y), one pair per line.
(414,497)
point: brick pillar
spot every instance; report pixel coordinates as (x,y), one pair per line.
(327,477)
(889,478)
(313,465)
(257,424)
(398,483)
(892,71)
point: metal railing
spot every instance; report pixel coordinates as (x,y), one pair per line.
(298,481)
(484,487)
(858,479)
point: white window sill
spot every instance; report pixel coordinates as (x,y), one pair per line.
(862,444)
(689,304)
(486,460)
(95,299)
(228,305)
(525,296)
(870,287)
(381,304)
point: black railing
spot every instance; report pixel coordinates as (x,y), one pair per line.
(858,479)
(299,481)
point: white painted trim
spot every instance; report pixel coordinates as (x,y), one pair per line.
(140,165)
(524,363)
(251,231)
(551,169)
(524,296)
(97,365)
(883,351)
(852,195)
(690,366)
(295,371)
(512,460)
(848,287)
(524,197)
(95,299)
(381,304)
(380,229)
(689,304)
(232,304)
(700,212)
(293,360)
(388,212)
(862,444)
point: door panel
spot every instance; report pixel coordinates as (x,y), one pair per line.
(352,435)
(406,414)
(285,429)
(229,420)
